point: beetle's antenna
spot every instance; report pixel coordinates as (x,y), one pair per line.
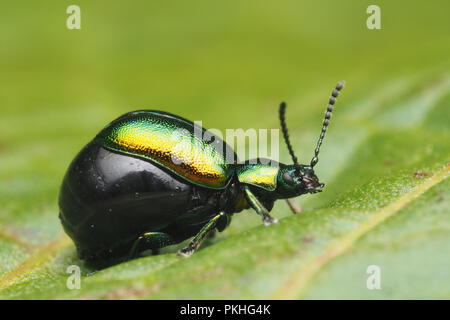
(326,120)
(286,135)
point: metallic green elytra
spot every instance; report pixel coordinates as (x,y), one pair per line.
(172,142)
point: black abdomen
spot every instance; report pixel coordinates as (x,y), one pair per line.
(108,199)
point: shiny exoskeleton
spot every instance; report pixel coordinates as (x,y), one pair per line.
(135,186)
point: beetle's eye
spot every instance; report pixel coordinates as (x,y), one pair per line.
(288,178)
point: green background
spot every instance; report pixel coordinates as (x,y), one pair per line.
(229,64)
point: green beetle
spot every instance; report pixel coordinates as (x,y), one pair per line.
(149,179)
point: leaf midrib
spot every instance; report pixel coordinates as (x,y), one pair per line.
(44,254)
(295,285)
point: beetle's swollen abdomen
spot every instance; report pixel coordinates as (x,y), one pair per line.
(107,200)
(172,142)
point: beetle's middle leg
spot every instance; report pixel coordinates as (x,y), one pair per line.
(197,240)
(150,240)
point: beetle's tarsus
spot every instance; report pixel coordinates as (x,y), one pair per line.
(196,242)
(269,221)
(186,252)
(259,207)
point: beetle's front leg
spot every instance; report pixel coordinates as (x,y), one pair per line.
(258,207)
(294,206)
(197,240)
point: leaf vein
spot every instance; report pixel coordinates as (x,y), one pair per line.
(296,284)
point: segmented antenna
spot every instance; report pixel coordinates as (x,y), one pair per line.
(326,120)
(286,135)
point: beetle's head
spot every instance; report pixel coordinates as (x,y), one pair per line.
(297,179)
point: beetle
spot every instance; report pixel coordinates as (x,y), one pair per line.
(133,188)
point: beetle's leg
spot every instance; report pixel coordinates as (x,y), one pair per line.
(150,240)
(258,207)
(197,240)
(294,206)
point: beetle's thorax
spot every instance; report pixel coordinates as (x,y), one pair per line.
(273,180)
(260,173)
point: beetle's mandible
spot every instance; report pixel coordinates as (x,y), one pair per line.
(125,193)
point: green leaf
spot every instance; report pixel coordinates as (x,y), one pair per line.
(385,158)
